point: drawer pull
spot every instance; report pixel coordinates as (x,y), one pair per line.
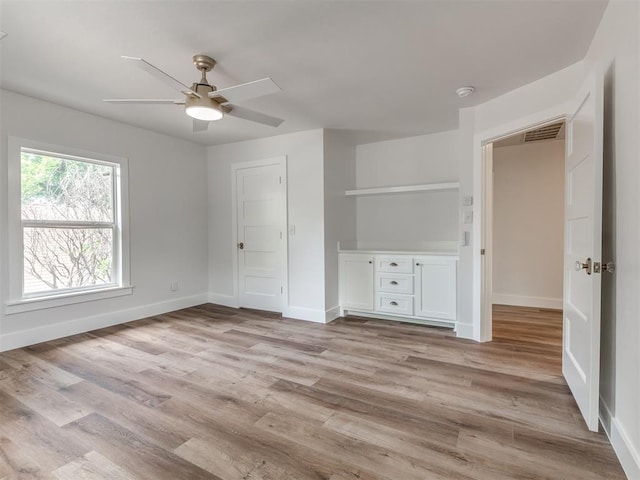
(393,282)
(393,264)
(395,304)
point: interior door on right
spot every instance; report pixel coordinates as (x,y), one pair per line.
(583,248)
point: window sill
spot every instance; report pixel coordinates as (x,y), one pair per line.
(41,303)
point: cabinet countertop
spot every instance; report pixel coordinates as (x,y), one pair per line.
(450,253)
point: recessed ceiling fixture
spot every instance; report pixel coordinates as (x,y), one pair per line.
(465,91)
(2,35)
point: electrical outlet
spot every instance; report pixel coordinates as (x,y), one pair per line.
(467,200)
(174,286)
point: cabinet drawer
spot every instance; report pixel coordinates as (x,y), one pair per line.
(394,283)
(390,303)
(393,264)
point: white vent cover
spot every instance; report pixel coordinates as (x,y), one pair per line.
(548,132)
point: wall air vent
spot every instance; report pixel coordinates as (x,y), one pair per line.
(548,132)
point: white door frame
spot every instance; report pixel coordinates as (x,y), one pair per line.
(284,262)
(483,221)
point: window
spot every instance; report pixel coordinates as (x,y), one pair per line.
(69,237)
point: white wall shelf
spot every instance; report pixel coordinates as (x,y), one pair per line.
(404,189)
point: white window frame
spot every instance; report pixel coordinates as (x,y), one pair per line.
(19,301)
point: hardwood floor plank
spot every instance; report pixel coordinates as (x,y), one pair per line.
(42,399)
(145,421)
(362,454)
(213,392)
(41,370)
(47,445)
(106,377)
(16,463)
(133,453)
(92,466)
(237,462)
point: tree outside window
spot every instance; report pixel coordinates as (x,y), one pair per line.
(68,211)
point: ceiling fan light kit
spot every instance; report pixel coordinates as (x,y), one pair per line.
(203,108)
(204,102)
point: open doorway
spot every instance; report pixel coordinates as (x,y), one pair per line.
(525,234)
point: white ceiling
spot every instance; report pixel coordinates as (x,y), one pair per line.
(377,69)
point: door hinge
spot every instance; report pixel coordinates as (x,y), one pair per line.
(281,289)
(482,251)
(280,180)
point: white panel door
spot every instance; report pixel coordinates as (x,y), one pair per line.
(436,287)
(583,248)
(261,223)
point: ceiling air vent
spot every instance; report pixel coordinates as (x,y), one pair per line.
(548,132)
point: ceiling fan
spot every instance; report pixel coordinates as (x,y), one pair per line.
(204,102)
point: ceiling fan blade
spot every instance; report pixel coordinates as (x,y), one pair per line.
(163,76)
(245,91)
(200,125)
(144,101)
(254,116)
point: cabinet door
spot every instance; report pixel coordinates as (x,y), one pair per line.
(436,287)
(356,282)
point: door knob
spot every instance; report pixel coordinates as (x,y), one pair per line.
(586,266)
(609,267)
(241,245)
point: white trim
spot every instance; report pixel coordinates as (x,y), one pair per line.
(487,237)
(41,303)
(316,315)
(224,300)
(481,323)
(527,301)
(433,322)
(284,275)
(626,452)
(464,330)
(121,254)
(32,336)
(405,189)
(331,314)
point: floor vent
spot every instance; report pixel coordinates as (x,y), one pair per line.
(548,132)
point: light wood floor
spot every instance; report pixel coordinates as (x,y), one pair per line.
(215,393)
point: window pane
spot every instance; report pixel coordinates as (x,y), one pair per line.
(61,258)
(62,189)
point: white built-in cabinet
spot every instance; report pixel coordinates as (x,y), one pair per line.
(409,287)
(356,280)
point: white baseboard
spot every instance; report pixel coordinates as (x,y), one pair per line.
(224,300)
(464,330)
(331,314)
(44,333)
(308,314)
(527,301)
(627,453)
(297,313)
